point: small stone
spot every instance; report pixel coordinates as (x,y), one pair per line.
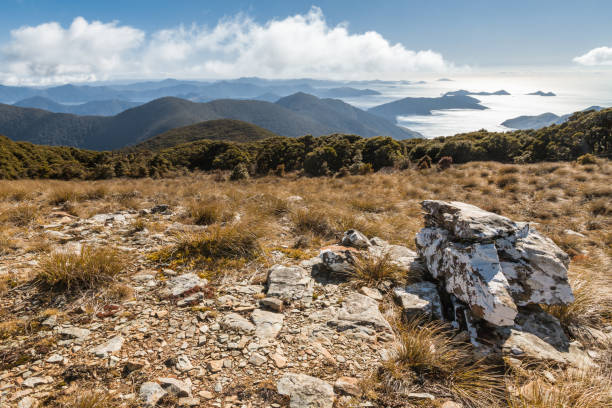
(267,324)
(214,366)
(183,363)
(451,404)
(257,359)
(74,333)
(355,239)
(151,393)
(183,285)
(176,387)
(348,385)
(279,360)
(50,321)
(55,358)
(206,395)
(271,303)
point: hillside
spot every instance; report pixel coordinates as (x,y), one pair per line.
(220,129)
(339,115)
(463,92)
(424,106)
(540,121)
(94,108)
(318,117)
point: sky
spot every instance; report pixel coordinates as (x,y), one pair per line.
(46,42)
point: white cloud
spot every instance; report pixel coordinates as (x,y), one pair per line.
(296,46)
(597,56)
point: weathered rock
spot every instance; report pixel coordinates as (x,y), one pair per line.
(362,310)
(348,385)
(214,366)
(290,283)
(234,321)
(491,262)
(183,363)
(355,239)
(74,333)
(55,358)
(267,324)
(339,260)
(370,292)
(305,391)
(257,359)
(32,382)
(151,393)
(111,346)
(27,402)
(183,285)
(402,257)
(272,304)
(420,298)
(176,387)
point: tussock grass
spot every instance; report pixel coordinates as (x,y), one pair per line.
(90,399)
(575,388)
(90,268)
(313,221)
(218,243)
(428,359)
(371,270)
(21,215)
(206,213)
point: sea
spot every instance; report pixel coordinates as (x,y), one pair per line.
(574,91)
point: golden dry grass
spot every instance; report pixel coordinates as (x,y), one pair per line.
(85,270)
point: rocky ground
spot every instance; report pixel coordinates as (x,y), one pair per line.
(294,328)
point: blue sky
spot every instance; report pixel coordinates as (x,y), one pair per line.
(473,33)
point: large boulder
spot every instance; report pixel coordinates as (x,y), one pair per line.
(305,391)
(490,262)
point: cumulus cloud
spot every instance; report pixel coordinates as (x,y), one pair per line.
(304,45)
(49,53)
(597,56)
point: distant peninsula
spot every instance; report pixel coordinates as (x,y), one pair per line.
(424,106)
(540,121)
(542,93)
(463,92)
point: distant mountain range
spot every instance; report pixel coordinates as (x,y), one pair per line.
(540,121)
(424,106)
(296,115)
(198,91)
(542,93)
(463,92)
(96,108)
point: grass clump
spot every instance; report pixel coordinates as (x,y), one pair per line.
(90,399)
(574,388)
(313,221)
(428,359)
(20,216)
(371,270)
(218,243)
(88,269)
(203,213)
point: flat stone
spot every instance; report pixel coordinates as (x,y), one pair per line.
(234,321)
(279,360)
(289,283)
(150,393)
(111,346)
(421,396)
(339,260)
(32,382)
(184,284)
(420,298)
(176,387)
(50,321)
(74,333)
(348,385)
(189,402)
(267,324)
(55,359)
(272,303)
(305,391)
(362,310)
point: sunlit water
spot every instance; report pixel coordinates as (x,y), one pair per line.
(574,92)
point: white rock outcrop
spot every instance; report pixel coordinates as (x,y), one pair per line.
(490,262)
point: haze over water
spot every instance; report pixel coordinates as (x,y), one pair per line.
(575,91)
